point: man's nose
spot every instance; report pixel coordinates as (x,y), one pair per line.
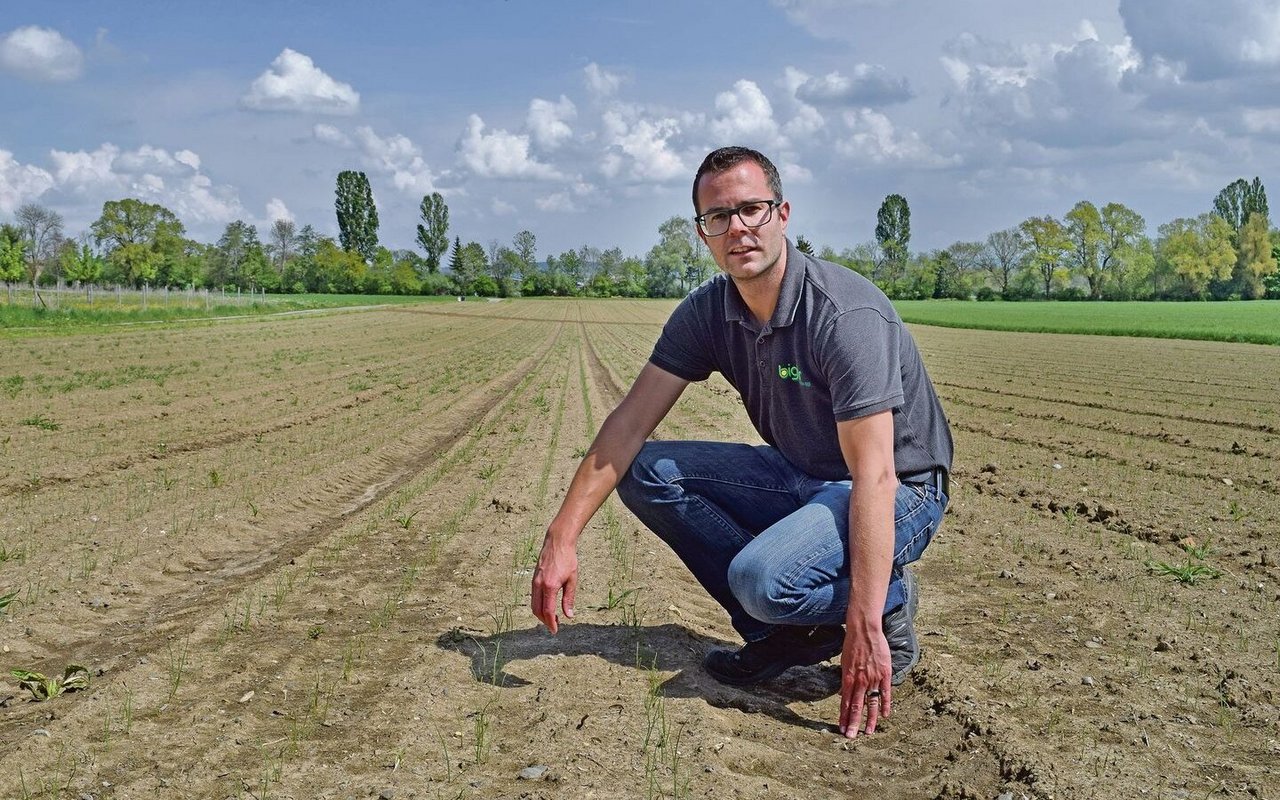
(736,225)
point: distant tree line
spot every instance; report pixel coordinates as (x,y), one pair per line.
(1104,253)
(1091,253)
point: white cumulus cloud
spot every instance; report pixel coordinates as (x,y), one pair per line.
(328,134)
(153,174)
(82,170)
(396,155)
(803,120)
(40,54)
(500,154)
(1212,40)
(642,148)
(20,183)
(276,209)
(547,121)
(745,116)
(556,203)
(294,83)
(874,138)
(601,83)
(869,85)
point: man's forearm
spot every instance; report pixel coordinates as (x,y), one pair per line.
(609,456)
(871,537)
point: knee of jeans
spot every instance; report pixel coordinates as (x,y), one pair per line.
(763,593)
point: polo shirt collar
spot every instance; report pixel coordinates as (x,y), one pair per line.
(735,310)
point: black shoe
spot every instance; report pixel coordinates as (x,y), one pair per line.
(900,630)
(787,647)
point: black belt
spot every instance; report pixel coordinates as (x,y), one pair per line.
(936,477)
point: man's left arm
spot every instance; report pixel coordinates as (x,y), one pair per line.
(866,665)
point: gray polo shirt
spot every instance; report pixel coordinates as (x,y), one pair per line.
(835,350)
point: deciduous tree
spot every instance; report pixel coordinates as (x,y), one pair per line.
(1048,245)
(526,247)
(282,243)
(42,229)
(1002,257)
(137,237)
(81,265)
(1237,201)
(1196,251)
(12,256)
(1254,259)
(1125,253)
(1084,231)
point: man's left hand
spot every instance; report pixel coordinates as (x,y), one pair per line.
(865,672)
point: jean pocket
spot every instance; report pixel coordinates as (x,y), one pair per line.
(917,513)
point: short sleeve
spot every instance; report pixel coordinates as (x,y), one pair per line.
(684,348)
(861,359)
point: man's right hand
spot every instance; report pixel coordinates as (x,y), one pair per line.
(557,571)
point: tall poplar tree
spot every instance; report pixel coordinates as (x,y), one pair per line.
(357,215)
(893,234)
(433,231)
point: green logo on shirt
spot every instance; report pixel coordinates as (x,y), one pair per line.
(790,372)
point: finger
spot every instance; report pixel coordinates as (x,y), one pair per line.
(852,717)
(537,598)
(570,592)
(886,697)
(549,608)
(873,714)
(535,595)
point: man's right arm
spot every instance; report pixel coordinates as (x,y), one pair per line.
(620,438)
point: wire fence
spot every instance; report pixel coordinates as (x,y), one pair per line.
(108,296)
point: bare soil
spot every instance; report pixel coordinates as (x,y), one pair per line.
(294,555)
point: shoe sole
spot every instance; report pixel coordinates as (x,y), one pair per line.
(771,671)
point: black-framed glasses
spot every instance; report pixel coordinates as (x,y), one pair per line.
(754,214)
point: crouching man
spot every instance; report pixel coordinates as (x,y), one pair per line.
(805,541)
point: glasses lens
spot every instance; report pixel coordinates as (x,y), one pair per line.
(755,214)
(715,223)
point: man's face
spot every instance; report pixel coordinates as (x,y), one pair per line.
(743,253)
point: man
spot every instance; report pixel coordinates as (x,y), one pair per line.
(816,528)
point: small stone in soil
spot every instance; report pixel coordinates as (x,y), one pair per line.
(532,773)
(1086,681)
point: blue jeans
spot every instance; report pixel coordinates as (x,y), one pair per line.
(770,543)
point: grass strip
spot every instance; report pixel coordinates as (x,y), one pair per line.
(1254,321)
(105,311)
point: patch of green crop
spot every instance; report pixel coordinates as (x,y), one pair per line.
(1255,321)
(42,422)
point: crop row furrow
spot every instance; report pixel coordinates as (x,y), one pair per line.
(1233,424)
(1178,439)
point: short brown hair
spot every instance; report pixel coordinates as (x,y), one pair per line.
(727,158)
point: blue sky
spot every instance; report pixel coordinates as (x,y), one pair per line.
(584,121)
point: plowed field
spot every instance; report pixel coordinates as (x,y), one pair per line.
(294,555)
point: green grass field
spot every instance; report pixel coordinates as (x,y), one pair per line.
(1256,321)
(107,311)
